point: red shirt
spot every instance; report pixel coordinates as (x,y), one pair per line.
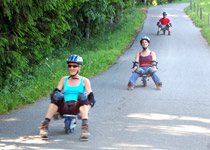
(164,21)
(145,61)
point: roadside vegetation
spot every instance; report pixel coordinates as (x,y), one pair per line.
(194,14)
(31,76)
(180,1)
(36,38)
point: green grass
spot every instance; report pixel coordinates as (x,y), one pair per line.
(99,54)
(181,1)
(203,24)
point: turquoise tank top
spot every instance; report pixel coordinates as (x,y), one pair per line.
(71,92)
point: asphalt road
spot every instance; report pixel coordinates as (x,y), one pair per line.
(175,118)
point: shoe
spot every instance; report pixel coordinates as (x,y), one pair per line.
(44,131)
(158,32)
(169,32)
(130,86)
(84,136)
(159,85)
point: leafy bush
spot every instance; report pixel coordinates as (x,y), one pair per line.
(94,51)
(33,30)
(91,18)
(29,32)
(195,16)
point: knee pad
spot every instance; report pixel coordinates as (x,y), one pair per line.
(56,97)
(82,102)
(57,102)
(139,71)
(169,25)
(82,99)
(161,26)
(151,71)
(91,99)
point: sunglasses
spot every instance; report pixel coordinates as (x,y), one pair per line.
(74,66)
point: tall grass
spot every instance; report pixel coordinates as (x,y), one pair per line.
(98,54)
(181,1)
(203,24)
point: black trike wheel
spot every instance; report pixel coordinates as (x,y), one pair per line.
(67,127)
(144,83)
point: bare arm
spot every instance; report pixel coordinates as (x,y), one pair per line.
(61,83)
(87,85)
(154,59)
(137,60)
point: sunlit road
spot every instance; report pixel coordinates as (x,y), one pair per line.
(175,118)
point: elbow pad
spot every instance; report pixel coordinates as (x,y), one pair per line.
(154,63)
(91,99)
(135,64)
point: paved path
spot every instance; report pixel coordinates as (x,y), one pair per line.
(175,118)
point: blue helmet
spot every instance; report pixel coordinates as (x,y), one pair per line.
(164,13)
(145,38)
(75,59)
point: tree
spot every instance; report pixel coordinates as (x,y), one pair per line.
(30,29)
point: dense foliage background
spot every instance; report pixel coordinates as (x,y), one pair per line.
(194,13)
(34,31)
(31,29)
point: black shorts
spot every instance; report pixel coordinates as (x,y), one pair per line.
(71,107)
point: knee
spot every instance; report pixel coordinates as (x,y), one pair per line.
(82,96)
(138,71)
(56,97)
(83,102)
(169,25)
(83,108)
(57,102)
(160,25)
(83,99)
(151,71)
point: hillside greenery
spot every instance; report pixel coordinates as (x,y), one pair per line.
(36,37)
(203,23)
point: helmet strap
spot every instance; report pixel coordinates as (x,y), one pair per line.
(144,48)
(74,76)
